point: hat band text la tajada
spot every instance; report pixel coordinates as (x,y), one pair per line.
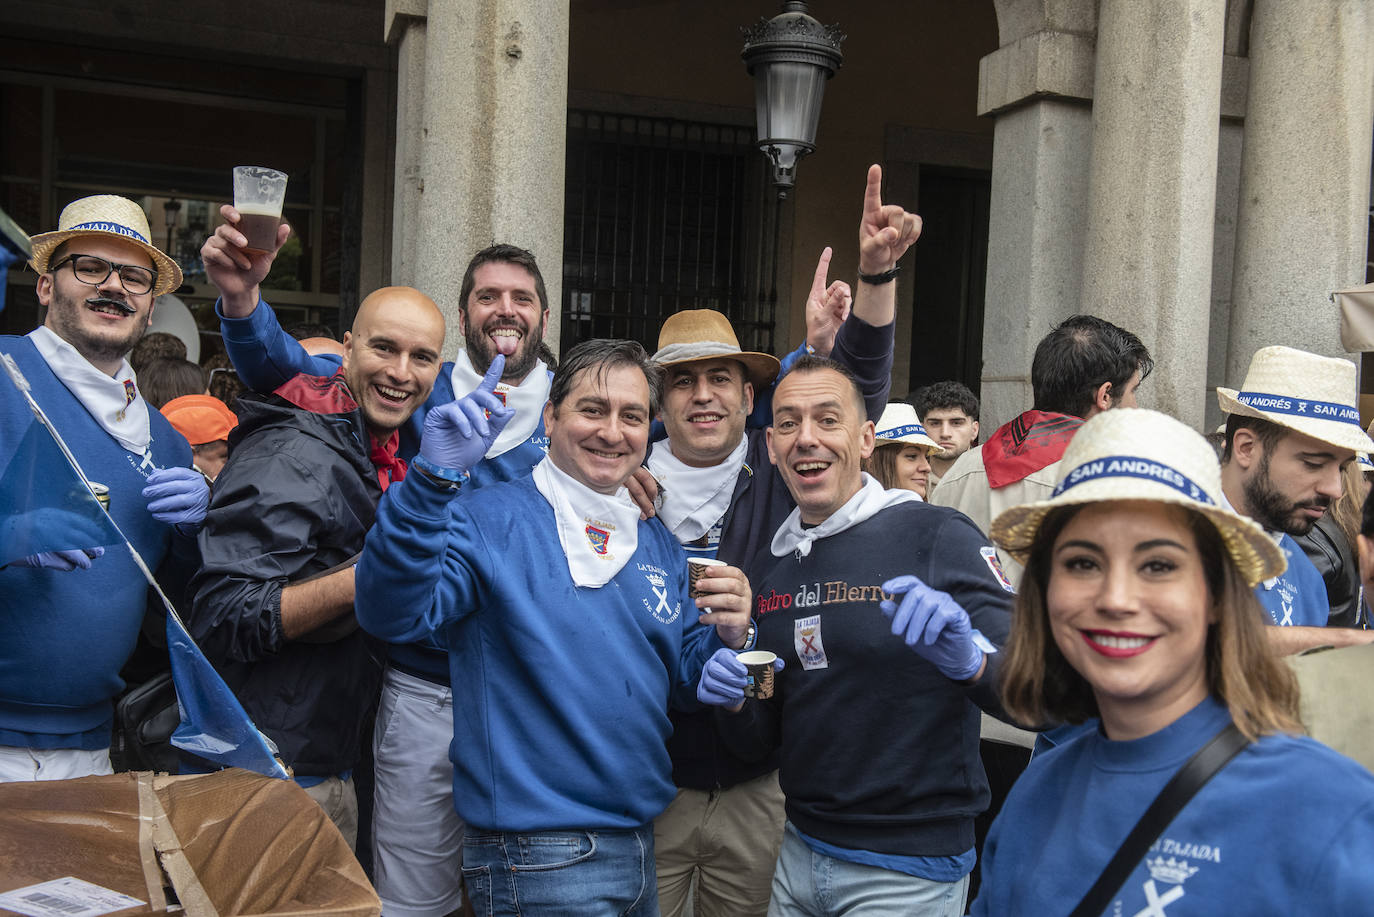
(106,226)
(1299,407)
(1126,466)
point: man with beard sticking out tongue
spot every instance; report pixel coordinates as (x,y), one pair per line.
(417,835)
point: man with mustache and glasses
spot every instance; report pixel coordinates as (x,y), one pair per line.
(416,833)
(72,617)
(1290,429)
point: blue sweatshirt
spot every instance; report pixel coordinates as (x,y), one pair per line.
(561,692)
(1285,828)
(1298,595)
(64,636)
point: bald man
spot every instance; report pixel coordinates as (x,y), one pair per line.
(273,602)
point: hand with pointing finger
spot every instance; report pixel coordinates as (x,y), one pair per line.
(826,307)
(885,232)
(458,434)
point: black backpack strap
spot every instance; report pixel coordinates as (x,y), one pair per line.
(1201,767)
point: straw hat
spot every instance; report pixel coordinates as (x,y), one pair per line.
(200,418)
(899,424)
(703,334)
(1304,392)
(106,215)
(1135,454)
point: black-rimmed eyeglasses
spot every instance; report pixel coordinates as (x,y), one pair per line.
(92,270)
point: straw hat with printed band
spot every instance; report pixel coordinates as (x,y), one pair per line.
(1304,392)
(704,334)
(899,424)
(1136,454)
(106,215)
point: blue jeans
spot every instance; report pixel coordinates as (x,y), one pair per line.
(810,884)
(582,873)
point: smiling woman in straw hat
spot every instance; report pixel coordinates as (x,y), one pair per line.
(1136,609)
(901,458)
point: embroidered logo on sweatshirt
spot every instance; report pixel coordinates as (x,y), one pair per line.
(806,640)
(995,565)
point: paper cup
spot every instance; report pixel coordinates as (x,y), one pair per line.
(696,569)
(760,666)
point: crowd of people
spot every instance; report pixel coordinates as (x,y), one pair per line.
(456,597)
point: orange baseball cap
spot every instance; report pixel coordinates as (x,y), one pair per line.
(200,418)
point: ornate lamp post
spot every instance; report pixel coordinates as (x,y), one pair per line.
(790,58)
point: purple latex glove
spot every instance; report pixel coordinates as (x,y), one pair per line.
(458,434)
(724,677)
(61,560)
(178,496)
(935,626)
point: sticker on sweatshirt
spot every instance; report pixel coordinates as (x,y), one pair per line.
(806,640)
(995,565)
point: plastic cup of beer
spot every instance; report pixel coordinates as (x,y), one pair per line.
(259,193)
(760,666)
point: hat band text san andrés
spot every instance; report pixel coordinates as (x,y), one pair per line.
(908,430)
(1298,407)
(1125,466)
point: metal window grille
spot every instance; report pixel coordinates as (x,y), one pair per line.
(663,215)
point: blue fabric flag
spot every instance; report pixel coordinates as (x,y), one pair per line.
(44,506)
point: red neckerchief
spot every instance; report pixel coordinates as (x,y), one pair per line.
(1027,444)
(390,467)
(330,395)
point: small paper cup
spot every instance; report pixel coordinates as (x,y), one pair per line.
(696,569)
(760,666)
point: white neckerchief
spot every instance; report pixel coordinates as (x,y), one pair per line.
(870,500)
(599,532)
(114,401)
(694,499)
(527,400)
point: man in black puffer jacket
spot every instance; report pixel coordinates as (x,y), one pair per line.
(273,601)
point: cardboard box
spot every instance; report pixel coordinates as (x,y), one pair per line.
(233,842)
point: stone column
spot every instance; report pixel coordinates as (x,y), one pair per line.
(1037,85)
(1152,186)
(405,29)
(492,142)
(1304,196)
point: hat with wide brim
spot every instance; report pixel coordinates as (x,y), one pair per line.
(1314,395)
(200,418)
(106,215)
(1132,454)
(693,335)
(899,424)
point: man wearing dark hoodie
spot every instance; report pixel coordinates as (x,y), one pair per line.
(274,599)
(1086,365)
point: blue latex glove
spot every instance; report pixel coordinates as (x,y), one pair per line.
(178,496)
(723,679)
(935,626)
(458,434)
(61,560)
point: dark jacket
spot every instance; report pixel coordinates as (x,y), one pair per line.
(758,507)
(296,498)
(1334,557)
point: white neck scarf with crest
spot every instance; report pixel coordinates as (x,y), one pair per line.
(868,502)
(113,401)
(599,532)
(527,400)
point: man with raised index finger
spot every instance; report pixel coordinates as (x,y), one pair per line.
(569,631)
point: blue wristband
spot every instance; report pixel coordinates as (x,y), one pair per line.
(452,477)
